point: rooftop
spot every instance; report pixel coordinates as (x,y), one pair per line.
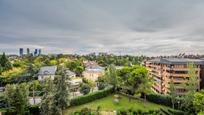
(95,69)
(70,73)
(48,70)
(176,61)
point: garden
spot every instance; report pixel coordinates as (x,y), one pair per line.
(109,105)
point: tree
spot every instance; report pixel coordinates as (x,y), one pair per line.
(47,106)
(9,94)
(191,87)
(84,88)
(78,70)
(33,86)
(134,80)
(62,91)
(1,69)
(76,66)
(145,86)
(17,98)
(56,97)
(139,80)
(111,76)
(172,93)
(39,61)
(101,84)
(199,101)
(5,63)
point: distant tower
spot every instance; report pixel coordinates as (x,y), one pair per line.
(39,52)
(21,51)
(28,51)
(35,52)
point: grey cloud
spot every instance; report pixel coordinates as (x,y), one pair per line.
(82,26)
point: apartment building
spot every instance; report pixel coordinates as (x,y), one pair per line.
(166,70)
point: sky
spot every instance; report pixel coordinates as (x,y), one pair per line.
(135,27)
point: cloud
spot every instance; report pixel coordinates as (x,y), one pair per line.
(133,27)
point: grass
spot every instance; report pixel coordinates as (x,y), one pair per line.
(107,104)
(201,113)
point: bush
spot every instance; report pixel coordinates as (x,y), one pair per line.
(137,112)
(85,88)
(164,100)
(91,97)
(101,83)
(176,112)
(159,99)
(34,110)
(3,103)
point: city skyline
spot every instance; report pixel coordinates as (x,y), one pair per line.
(138,27)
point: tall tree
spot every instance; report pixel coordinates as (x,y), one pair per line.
(5,63)
(33,86)
(191,87)
(141,82)
(48,104)
(62,91)
(111,76)
(17,98)
(145,86)
(172,93)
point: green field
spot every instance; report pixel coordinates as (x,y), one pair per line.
(107,104)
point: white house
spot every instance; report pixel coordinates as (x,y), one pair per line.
(70,73)
(73,80)
(47,72)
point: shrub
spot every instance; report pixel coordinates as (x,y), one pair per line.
(3,103)
(34,110)
(176,112)
(91,97)
(163,100)
(137,112)
(85,88)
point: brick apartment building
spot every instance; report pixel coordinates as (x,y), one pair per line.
(165,70)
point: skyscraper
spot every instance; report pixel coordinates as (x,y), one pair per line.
(35,52)
(28,51)
(39,52)
(21,51)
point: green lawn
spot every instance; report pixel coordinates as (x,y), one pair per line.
(108,104)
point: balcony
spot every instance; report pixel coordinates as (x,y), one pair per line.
(157,88)
(180,69)
(180,93)
(177,75)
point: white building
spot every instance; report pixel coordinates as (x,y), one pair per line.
(70,73)
(73,80)
(47,72)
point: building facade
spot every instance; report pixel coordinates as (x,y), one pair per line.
(47,72)
(165,71)
(21,51)
(93,73)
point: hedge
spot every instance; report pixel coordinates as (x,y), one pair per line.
(137,112)
(91,97)
(163,100)
(159,99)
